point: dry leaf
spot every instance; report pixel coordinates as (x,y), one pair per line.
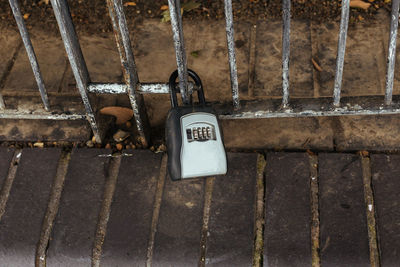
(26,15)
(130,4)
(164,7)
(364,153)
(44,2)
(316,66)
(120,113)
(38,144)
(359,4)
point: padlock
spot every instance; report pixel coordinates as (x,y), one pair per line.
(194,141)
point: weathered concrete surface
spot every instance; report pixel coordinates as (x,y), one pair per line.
(206,54)
(102,60)
(258,55)
(52,63)
(268,62)
(290,133)
(9,41)
(364,63)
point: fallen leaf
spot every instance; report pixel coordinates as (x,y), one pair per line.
(90,143)
(120,135)
(164,7)
(130,4)
(38,144)
(364,153)
(44,2)
(26,15)
(184,7)
(122,114)
(316,66)
(119,146)
(195,54)
(359,4)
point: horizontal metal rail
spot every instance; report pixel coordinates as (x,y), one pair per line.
(121,88)
(308,107)
(39,115)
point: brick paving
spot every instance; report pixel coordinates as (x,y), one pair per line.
(123,210)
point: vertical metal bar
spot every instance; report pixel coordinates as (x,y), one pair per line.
(121,33)
(78,65)
(344,23)
(285,51)
(231,53)
(2,105)
(394,24)
(177,33)
(29,50)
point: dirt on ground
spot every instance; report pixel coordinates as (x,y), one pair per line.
(90,16)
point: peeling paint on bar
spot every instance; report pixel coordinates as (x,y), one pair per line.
(179,43)
(285,52)
(344,23)
(30,51)
(394,24)
(231,53)
(108,88)
(309,108)
(2,105)
(121,34)
(26,115)
(76,60)
(120,88)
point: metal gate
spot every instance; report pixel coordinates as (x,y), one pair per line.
(245,109)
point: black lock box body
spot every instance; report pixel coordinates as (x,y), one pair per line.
(185,139)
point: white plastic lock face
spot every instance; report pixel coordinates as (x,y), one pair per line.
(202,151)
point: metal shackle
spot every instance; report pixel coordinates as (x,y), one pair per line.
(173,88)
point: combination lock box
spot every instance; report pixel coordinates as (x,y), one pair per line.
(194,141)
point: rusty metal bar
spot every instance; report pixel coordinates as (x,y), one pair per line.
(344,23)
(394,24)
(231,53)
(2,105)
(122,88)
(76,60)
(39,115)
(30,51)
(121,33)
(179,43)
(285,52)
(308,107)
